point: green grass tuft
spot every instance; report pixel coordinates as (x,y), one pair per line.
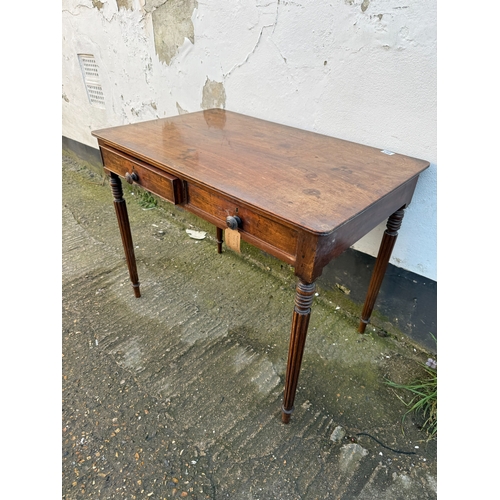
(424,397)
(423,401)
(146,200)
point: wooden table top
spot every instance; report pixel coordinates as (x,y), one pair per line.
(310,180)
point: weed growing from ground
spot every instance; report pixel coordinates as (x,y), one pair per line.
(145,199)
(423,400)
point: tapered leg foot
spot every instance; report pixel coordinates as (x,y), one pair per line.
(300,321)
(384,254)
(219,240)
(123,223)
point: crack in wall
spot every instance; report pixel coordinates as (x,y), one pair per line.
(78,6)
(236,66)
(273,26)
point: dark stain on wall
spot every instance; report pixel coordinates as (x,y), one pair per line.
(125,4)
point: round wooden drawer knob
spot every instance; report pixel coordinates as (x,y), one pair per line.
(233,222)
(131,178)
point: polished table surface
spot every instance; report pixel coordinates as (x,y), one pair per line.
(300,196)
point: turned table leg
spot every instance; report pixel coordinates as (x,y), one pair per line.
(123,223)
(219,240)
(300,321)
(384,254)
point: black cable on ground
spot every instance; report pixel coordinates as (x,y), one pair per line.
(382,444)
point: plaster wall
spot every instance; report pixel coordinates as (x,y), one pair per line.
(360,70)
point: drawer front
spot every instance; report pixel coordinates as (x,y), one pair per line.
(269,235)
(150,178)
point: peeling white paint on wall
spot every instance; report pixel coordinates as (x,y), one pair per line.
(360,70)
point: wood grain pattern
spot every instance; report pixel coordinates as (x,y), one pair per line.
(157,181)
(300,196)
(275,237)
(310,180)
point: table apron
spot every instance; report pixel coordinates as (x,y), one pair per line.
(272,236)
(159,182)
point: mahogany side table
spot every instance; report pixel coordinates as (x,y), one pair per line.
(300,196)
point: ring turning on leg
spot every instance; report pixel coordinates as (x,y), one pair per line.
(219,240)
(300,321)
(123,223)
(384,254)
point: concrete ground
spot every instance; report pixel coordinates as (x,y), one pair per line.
(177,394)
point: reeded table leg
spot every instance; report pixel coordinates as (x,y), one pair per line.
(384,254)
(123,223)
(300,321)
(219,240)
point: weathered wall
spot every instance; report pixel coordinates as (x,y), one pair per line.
(360,70)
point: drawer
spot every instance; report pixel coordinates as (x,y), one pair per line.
(152,179)
(257,229)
